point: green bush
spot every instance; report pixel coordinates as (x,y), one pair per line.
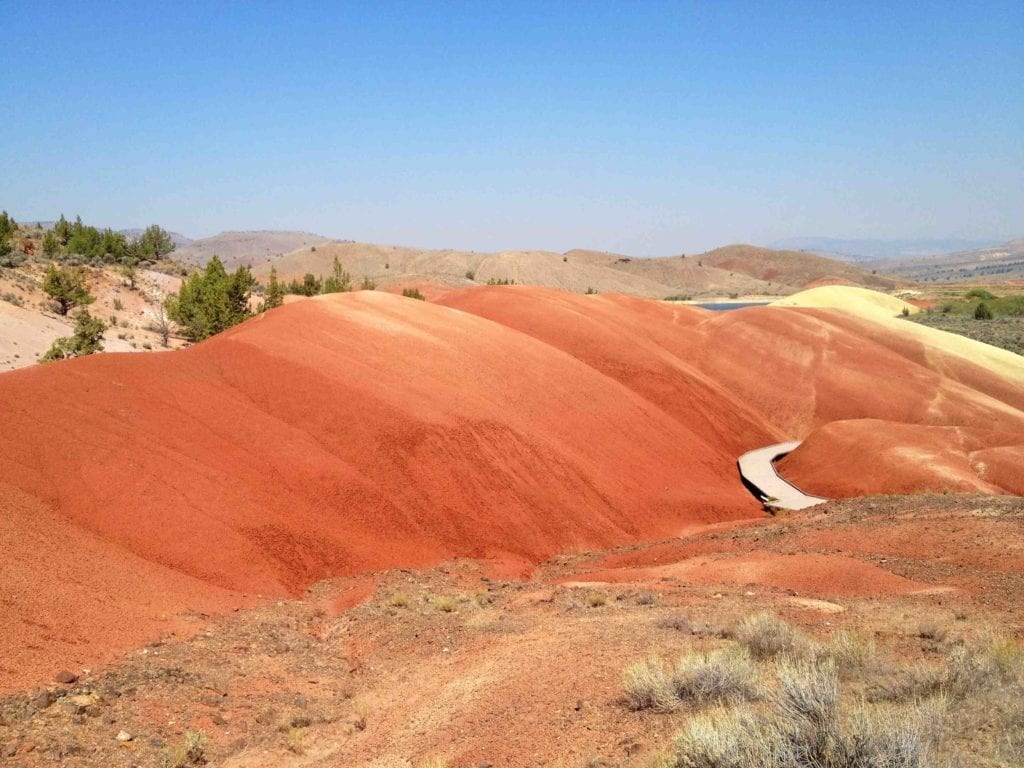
(413,293)
(211,301)
(982,312)
(88,338)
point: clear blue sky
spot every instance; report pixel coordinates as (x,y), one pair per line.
(642,127)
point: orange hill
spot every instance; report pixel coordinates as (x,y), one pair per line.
(357,432)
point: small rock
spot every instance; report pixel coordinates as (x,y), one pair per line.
(27,747)
(11,750)
(217,719)
(301,701)
(579,705)
(43,699)
(123,736)
(65,677)
(157,743)
(301,721)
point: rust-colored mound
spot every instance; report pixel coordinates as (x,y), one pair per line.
(868,456)
(356,432)
(648,347)
(339,435)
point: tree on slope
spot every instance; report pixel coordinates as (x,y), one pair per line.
(155,243)
(88,338)
(211,301)
(274,296)
(66,287)
(7,229)
(340,281)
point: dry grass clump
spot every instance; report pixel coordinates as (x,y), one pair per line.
(192,751)
(851,652)
(399,600)
(648,685)
(596,599)
(804,727)
(296,735)
(932,630)
(966,671)
(443,603)
(727,675)
(767,636)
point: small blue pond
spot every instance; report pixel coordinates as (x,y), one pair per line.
(739,305)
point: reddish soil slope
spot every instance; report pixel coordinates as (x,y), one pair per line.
(358,432)
(867,456)
(332,436)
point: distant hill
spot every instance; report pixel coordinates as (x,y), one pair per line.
(863,249)
(237,249)
(739,269)
(993,264)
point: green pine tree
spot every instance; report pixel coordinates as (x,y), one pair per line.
(340,281)
(274,296)
(66,287)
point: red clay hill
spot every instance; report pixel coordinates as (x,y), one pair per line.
(357,432)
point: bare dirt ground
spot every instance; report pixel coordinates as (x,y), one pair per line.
(463,664)
(29,323)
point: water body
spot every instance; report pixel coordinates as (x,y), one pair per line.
(733,305)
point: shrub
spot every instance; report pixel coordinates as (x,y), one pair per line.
(931,630)
(398,600)
(648,685)
(982,312)
(88,338)
(596,599)
(444,604)
(767,636)
(804,728)
(725,675)
(850,651)
(413,293)
(211,301)
(470,274)
(118,306)
(980,293)
(367,284)
(808,691)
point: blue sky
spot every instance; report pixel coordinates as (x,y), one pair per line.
(641,127)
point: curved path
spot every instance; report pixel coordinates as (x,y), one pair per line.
(757,470)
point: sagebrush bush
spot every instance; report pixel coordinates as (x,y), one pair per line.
(726,675)
(850,651)
(648,685)
(766,636)
(804,727)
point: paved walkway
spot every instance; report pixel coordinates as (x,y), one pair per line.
(757,469)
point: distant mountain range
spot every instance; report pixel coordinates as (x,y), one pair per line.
(980,265)
(865,249)
(733,269)
(236,249)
